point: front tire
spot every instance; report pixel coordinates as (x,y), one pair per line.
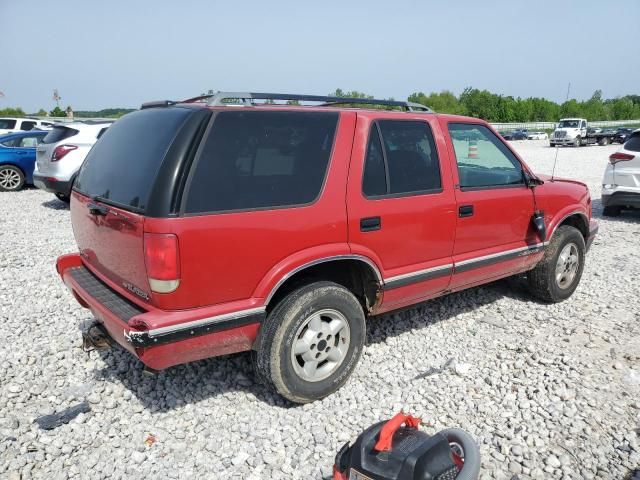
(578,142)
(63,198)
(11,178)
(558,274)
(311,342)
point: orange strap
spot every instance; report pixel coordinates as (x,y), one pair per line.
(386,434)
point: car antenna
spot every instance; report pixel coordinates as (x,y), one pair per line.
(555,161)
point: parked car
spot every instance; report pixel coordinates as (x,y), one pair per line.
(61,154)
(210,229)
(621,182)
(515,135)
(622,134)
(537,136)
(14,125)
(17,157)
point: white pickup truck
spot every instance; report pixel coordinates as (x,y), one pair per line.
(13,125)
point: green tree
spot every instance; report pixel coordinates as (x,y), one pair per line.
(57,112)
(41,113)
(12,112)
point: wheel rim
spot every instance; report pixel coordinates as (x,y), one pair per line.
(9,179)
(320,345)
(567,265)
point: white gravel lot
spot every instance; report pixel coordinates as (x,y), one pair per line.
(549,391)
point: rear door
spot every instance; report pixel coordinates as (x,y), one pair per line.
(401,205)
(494,206)
(112,192)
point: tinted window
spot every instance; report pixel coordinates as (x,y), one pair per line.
(13,142)
(26,126)
(408,163)
(7,124)
(633,144)
(262,160)
(58,134)
(483,160)
(122,166)
(101,132)
(374,181)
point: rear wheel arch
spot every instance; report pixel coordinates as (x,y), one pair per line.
(357,274)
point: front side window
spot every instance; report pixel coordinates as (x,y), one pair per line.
(26,126)
(484,161)
(401,159)
(262,160)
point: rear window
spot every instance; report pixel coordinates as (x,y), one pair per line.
(633,144)
(259,160)
(58,134)
(7,124)
(122,166)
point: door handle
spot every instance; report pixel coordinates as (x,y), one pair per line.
(465,211)
(97,209)
(370,224)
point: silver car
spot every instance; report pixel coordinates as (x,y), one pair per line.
(60,155)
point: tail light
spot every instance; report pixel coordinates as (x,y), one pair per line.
(61,151)
(162,259)
(620,157)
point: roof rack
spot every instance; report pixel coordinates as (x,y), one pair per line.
(247,98)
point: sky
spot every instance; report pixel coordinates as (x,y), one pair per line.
(103,54)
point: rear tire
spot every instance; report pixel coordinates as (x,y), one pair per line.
(604,141)
(558,274)
(311,342)
(612,211)
(11,178)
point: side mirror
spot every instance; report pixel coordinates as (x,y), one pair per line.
(538,222)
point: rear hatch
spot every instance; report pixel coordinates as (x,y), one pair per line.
(45,149)
(115,189)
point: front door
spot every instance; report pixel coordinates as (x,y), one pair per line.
(401,205)
(494,207)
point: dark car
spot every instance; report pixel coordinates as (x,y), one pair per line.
(520,134)
(622,135)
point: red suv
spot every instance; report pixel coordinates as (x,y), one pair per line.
(229,223)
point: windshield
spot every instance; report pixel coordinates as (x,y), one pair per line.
(7,124)
(121,167)
(569,124)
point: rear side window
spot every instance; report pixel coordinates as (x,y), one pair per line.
(121,167)
(58,134)
(26,126)
(7,124)
(101,132)
(401,159)
(258,160)
(633,144)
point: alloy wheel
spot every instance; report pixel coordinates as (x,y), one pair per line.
(320,345)
(9,179)
(567,265)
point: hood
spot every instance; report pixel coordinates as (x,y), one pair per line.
(547,178)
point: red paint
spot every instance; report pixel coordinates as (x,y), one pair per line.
(232,262)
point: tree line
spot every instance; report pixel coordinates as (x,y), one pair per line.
(506,109)
(472,102)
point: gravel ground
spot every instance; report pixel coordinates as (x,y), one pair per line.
(548,391)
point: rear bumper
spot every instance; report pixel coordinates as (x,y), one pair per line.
(621,199)
(52,184)
(159,338)
(593,231)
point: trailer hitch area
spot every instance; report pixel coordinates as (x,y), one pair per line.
(95,337)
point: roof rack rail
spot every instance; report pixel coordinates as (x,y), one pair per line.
(222,98)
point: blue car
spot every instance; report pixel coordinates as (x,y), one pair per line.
(18,158)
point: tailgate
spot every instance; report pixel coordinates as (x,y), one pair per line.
(44,151)
(111,243)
